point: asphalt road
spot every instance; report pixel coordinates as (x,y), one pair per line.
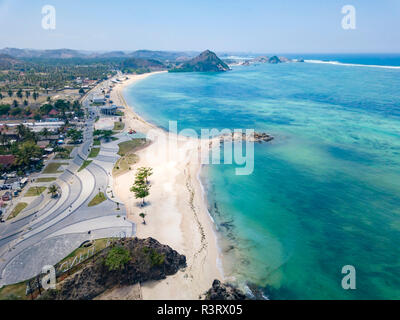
(37,239)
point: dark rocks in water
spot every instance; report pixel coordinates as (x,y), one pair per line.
(221,291)
(149,260)
(274,60)
(207,61)
(261,59)
(259,137)
(241,136)
(256,292)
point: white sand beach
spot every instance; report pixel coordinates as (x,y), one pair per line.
(177,210)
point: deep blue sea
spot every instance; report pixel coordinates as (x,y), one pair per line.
(324,194)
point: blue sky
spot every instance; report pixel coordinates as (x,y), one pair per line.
(280,26)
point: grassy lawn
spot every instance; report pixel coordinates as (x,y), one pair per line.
(130,146)
(99,244)
(123,164)
(96,142)
(118,126)
(34,191)
(17,209)
(14,292)
(85,164)
(99,198)
(49,179)
(53,167)
(94,152)
(65,154)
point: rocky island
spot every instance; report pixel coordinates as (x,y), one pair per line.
(241,136)
(207,61)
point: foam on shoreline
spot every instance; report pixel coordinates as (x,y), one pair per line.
(337,63)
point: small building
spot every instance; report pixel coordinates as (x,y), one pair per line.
(6,161)
(53,112)
(109,110)
(10,131)
(23,182)
(99,100)
(43,144)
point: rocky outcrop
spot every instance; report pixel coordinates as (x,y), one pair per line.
(149,260)
(264,59)
(207,61)
(241,136)
(274,60)
(221,291)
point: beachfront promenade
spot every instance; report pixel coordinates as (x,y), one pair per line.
(49,229)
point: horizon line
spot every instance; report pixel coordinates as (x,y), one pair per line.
(190,50)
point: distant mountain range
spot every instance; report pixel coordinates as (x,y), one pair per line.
(69,54)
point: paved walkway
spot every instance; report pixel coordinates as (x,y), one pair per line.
(47,231)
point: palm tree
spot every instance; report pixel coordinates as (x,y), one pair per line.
(10,93)
(53,190)
(15,103)
(45,132)
(27,94)
(21,131)
(26,152)
(3,139)
(143,215)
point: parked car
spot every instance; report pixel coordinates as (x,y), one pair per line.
(7,196)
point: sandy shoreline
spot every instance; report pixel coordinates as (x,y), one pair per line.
(177,212)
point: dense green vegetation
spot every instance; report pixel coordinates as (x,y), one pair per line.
(61,109)
(44,74)
(27,154)
(155,258)
(117,258)
(103,134)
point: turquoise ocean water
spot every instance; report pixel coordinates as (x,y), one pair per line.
(324,194)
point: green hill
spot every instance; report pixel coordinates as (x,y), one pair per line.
(207,61)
